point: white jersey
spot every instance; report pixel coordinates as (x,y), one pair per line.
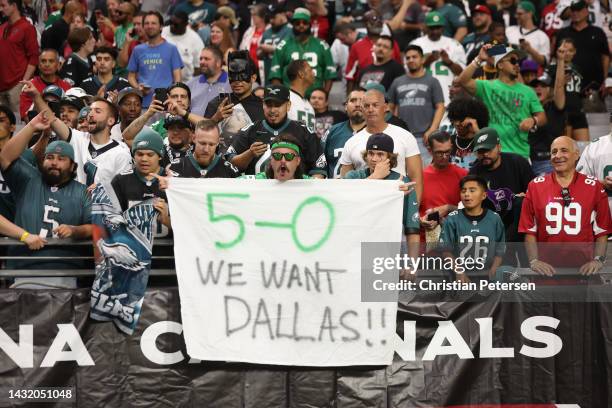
(98,163)
(439,70)
(190,46)
(596,161)
(301,110)
(536,37)
(404,144)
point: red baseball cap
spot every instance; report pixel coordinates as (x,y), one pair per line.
(480,8)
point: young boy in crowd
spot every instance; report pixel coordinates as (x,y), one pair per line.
(473,232)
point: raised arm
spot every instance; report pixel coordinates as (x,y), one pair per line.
(18,143)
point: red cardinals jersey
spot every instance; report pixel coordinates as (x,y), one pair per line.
(551,21)
(581,217)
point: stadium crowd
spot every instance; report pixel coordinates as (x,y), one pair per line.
(479,106)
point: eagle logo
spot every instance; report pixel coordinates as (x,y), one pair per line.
(121,255)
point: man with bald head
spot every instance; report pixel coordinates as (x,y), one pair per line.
(405,145)
(565,207)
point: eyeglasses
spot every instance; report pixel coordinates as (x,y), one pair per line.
(300,22)
(513,61)
(567,198)
(288,156)
(442,154)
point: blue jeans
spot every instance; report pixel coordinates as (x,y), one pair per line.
(541,167)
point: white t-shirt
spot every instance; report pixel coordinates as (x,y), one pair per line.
(439,70)
(109,163)
(190,46)
(404,144)
(301,110)
(537,38)
(596,161)
(116,132)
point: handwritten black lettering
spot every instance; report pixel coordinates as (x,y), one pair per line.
(226,299)
(231,274)
(265,320)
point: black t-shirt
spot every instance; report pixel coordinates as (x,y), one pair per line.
(325,120)
(76,70)
(381,74)
(188,167)
(171,154)
(252,105)
(55,36)
(591,44)
(92,84)
(573,98)
(541,139)
(313,158)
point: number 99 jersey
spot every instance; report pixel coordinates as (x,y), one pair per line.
(581,217)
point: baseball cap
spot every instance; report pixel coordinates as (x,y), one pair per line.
(53,90)
(509,50)
(62,148)
(434,19)
(527,6)
(301,13)
(73,101)
(128,91)
(83,113)
(148,139)
(529,66)
(545,80)
(380,141)
(76,91)
(481,8)
(228,12)
(372,16)
(577,4)
(180,14)
(172,120)
(276,92)
(486,139)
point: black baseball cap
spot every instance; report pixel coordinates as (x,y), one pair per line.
(380,141)
(73,101)
(278,93)
(172,120)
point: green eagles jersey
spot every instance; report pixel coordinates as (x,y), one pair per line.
(474,237)
(333,144)
(315,51)
(410,216)
(158,126)
(41,208)
(271,37)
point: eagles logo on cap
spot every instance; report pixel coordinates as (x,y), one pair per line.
(276,92)
(482,138)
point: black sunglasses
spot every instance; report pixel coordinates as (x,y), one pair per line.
(288,156)
(565,194)
(513,61)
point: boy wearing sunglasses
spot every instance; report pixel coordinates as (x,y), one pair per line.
(285,161)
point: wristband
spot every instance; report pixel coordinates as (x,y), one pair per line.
(24,236)
(533,261)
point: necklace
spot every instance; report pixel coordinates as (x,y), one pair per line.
(463,148)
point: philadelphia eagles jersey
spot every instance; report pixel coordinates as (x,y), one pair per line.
(7,202)
(188,167)
(410,214)
(315,51)
(596,161)
(301,110)
(132,188)
(273,37)
(263,176)
(474,237)
(41,208)
(98,163)
(333,144)
(313,158)
(171,154)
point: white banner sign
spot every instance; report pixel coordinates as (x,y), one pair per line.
(270,272)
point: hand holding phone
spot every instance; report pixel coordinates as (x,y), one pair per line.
(433,216)
(161,94)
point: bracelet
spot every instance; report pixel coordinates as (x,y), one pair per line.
(24,236)
(186,115)
(533,261)
(477,61)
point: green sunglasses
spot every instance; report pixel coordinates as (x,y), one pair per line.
(288,156)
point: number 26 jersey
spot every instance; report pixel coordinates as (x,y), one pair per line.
(582,217)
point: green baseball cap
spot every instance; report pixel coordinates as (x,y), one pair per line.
(62,148)
(434,19)
(301,13)
(486,139)
(148,139)
(530,8)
